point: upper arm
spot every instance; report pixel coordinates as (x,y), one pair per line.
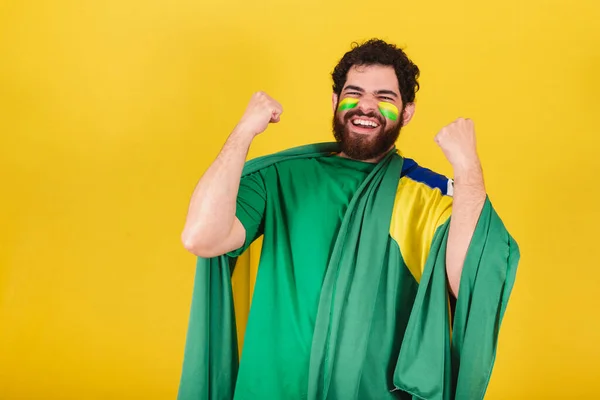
(250,212)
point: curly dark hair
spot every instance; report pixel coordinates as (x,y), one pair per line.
(379,52)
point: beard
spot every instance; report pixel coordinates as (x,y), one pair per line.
(364,146)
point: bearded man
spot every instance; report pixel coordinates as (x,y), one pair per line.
(378,278)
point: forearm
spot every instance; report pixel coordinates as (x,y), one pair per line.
(211,213)
(468,200)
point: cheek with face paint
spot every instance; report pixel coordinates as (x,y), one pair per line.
(389,111)
(347,104)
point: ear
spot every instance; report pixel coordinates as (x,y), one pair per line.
(334,102)
(408,113)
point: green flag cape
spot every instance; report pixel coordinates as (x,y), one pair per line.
(443,356)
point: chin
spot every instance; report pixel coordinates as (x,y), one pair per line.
(356,133)
(363,144)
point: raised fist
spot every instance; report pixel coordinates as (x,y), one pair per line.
(261,111)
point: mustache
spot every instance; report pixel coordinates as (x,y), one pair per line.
(358,113)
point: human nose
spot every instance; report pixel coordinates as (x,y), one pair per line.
(367,104)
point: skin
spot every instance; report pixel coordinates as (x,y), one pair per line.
(457,141)
(212,229)
(372,84)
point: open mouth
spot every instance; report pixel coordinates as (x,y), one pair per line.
(364,125)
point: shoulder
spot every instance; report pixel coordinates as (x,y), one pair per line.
(284,170)
(291,171)
(425,178)
(423,199)
(423,190)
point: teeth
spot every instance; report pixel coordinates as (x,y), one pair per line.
(364,122)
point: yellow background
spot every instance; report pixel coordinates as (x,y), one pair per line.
(111,110)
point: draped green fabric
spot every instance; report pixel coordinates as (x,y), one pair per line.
(430,365)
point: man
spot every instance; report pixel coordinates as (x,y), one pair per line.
(362,252)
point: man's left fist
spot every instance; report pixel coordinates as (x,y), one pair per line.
(457,141)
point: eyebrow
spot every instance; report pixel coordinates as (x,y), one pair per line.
(354,88)
(389,92)
(377,92)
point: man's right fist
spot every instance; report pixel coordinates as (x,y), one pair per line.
(261,111)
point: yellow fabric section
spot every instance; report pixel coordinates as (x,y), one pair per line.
(242,282)
(418,211)
(239,283)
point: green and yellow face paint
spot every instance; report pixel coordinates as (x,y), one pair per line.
(347,104)
(389,110)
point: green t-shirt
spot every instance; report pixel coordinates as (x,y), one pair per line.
(298,205)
